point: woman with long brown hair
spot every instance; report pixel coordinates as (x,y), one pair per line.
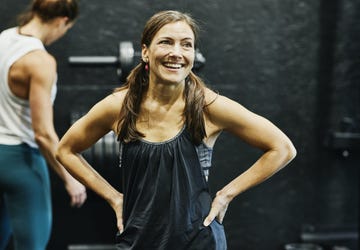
(167,122)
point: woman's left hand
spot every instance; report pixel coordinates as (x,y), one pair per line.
(218,209)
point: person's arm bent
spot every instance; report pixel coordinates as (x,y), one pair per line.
(101,119)
(257,131)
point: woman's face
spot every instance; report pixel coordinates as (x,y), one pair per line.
(171,53)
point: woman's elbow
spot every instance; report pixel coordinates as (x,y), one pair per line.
(289,151)
(60,153)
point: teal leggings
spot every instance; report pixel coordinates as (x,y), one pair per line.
(25,198)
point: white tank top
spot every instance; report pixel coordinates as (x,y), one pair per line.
(15,118)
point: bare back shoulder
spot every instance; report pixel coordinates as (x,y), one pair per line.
(37,64)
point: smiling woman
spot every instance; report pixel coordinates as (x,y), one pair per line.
(167,127)
(171,54)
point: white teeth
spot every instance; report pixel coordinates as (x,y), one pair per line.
(173,65)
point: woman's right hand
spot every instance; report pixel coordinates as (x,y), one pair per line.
(118,208)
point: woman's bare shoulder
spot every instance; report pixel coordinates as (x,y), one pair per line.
(40,58)
(210,96)
(111,103)
(118,94)
(115,98)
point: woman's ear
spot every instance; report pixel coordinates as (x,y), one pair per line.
(144,53)
(61,21)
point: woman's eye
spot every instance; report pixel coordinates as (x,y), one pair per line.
(188,45)
(165,42)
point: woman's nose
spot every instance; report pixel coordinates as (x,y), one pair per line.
(175,51)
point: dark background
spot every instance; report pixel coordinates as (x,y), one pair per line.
(293,62)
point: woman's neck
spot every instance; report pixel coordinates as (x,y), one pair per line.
(35,28)
(164,93)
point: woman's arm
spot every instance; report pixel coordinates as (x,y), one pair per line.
(41,69)
(101,119)
(278,150)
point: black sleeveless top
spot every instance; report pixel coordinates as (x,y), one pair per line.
(166,197)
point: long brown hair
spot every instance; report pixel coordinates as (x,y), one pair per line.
(47,10)
(137,83)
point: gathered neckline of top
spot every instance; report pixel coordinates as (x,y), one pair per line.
(166,141)
(171,140)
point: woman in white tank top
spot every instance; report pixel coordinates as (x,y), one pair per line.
(27,136)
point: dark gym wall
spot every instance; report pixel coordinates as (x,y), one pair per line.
(294,62)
